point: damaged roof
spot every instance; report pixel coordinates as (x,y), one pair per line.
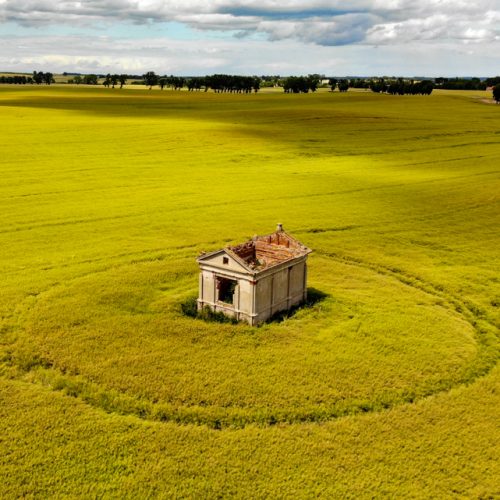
(264,252)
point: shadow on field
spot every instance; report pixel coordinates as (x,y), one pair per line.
(189,308)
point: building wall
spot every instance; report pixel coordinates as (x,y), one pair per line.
(255,301)
(280,291)
(298,283)
(230,265)
(242,306)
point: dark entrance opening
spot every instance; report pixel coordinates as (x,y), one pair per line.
(226,288)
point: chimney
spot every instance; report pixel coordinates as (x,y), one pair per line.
(279,228)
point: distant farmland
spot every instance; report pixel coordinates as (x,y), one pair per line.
(388,386)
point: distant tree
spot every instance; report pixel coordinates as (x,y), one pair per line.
(396,87)
(123,80)
(162,82)
(77,79)
(256,84)
(195,83)
(492,82)
(107,80)
(425,87)
(150,79)
(343,85)
(179,83)
(496,93)
(296,85)
(359,83)
(114,80)
(332,82)
(38,77)
(378,85)
(175,82)
(313,82)
(48,78)
(90,79)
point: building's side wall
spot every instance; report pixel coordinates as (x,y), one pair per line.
(298,283)
(280,291)
(263,298)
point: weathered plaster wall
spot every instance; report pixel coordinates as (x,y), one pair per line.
(256,297)
(280,291)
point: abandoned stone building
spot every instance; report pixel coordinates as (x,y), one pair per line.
(255,280)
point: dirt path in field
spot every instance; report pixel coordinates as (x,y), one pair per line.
(488,101)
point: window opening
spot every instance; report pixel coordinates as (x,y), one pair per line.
(225,260)
(226,288)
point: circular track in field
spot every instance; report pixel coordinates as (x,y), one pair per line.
(375,341)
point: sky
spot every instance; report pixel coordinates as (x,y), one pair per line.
(254,37)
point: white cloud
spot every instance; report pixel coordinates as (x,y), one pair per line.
(293,36)
(436,27)
(324,22)
(104,54)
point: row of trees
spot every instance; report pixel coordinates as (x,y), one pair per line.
(247,84)
(383,85)
(461,83)
(402,87)
(493,82)
(232,83)
(301,84)
(292,84)
(38,77)
(41,77)
(218,83)
(174,82)
(16,79)
(466,83)
(196,83)
(343,85)
(85,79)
(113,80)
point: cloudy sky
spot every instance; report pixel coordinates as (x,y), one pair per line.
(192,37)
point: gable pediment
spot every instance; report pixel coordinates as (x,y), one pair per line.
(223,260)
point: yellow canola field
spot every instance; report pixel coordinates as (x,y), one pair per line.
(386,385)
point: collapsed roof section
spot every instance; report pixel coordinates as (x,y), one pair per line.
(264,252)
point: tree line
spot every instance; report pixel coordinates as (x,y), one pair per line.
(300,84)
(16,79)
(461,83)
(218,83)
(38,77)
(493,82)
(85,79)
(402,87)
(246,84)
(113,80)
(394,86)
(342,85)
